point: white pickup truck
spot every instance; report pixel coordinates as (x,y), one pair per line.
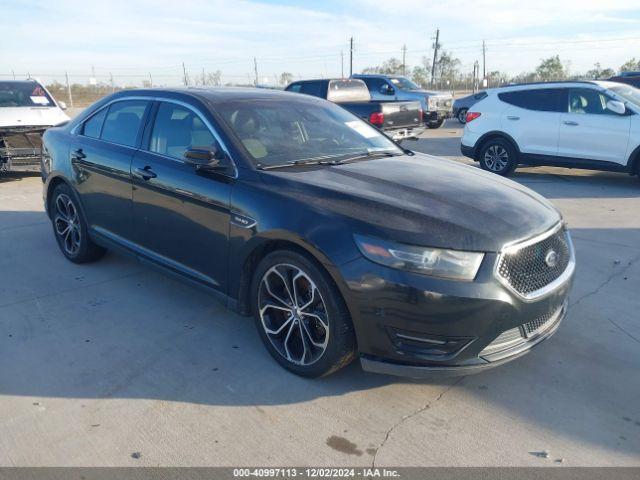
(27,109)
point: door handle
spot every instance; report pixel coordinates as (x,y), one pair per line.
(145,173)
(570,122)
(78,155)
(513,117)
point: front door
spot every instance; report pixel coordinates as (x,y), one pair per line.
(589,130)
(181,215)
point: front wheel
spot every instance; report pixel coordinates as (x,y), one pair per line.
(436,124)
(301,316)
(498,156)
(462,115)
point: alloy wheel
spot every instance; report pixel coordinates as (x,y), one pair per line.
(496,158)
(67,224)
(293,314)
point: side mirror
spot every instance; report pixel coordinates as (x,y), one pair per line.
(204,158)
(387,90)
(62,105)
(616,107)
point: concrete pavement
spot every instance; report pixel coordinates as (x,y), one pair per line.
(101,361)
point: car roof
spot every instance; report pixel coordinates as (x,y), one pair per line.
(214,94)
(557,84)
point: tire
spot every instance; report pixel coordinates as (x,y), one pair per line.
(462,115)
(313,340)
(70,227)
(498,156)
(436,124)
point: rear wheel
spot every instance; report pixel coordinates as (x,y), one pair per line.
(436,123)
(498,156)
(301,316)
(70,227)
(462,115)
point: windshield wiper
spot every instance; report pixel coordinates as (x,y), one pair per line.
(367,155)
(324,160)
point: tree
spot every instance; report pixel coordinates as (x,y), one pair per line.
(285,78)
(630,65)
(598,72)
(497,78)
(209,79)
(392,66)
(551,69)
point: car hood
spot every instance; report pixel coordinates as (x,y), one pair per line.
(31,116)
(421,200)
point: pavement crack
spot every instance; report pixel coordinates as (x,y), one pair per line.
(608,280)
(409,416)
(623,330)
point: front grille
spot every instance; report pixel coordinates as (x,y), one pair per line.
(533,267)
(519,335)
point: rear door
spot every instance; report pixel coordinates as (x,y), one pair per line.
(532,119)
(589,130)
(181,214)
(101,157)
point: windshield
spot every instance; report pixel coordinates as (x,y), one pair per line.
(403,83)
(277,132)
(24,94)
(629,93)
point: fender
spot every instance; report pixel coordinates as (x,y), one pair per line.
(494,133)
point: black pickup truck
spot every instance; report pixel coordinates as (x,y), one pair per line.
(399,120)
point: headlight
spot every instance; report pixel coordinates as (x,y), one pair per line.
(453,264)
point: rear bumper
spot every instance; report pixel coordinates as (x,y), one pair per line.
(405,133)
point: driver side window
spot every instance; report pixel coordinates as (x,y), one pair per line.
(177,129)
(587,101)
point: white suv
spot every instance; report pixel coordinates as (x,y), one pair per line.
(593,125)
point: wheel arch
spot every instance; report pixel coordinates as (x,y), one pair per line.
(52,183)
(634,161)
(263,246)
(491,136)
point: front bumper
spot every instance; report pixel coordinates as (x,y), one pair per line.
(21,148)
(436,116)
(415,325)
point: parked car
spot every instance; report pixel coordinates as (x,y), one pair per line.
(461,105)
(399,120)
(633,80)
(27,109)
(437,106)
(593,125)
(293,210)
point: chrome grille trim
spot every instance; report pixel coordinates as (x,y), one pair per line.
(514,247)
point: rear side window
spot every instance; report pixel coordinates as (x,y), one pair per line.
(314,88)
(294,87)
(176,129)
(480,95)
(93,126)
(123,122)
(541,100)
(348,91)
(375,84)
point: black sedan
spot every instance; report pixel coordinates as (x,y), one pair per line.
(338,242)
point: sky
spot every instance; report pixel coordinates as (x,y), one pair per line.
(132,40)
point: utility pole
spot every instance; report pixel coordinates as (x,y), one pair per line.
(66,75)
(203,76)
(341,64)
(484,65)
(14,74)
(150,80)
(476,69)
(255,69)
(113,88)
(351,56)
(436,46)
(184,73)
(404,58)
